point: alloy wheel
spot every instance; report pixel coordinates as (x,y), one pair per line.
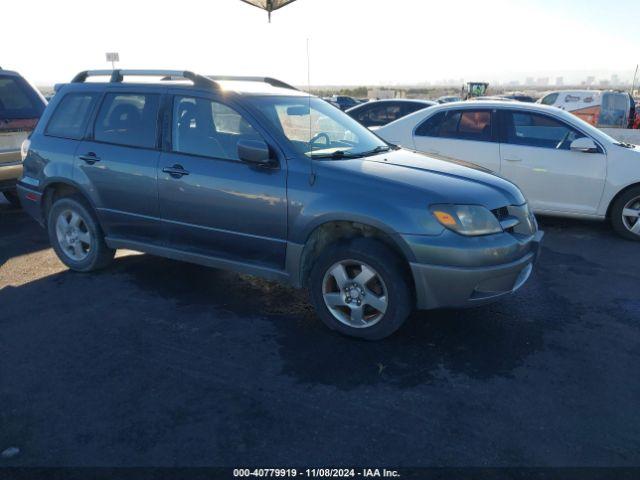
(73,234)
(631,216)
(355,293)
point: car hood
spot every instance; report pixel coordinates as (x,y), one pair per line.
(445,181)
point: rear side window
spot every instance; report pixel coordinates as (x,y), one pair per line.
(549,99)
(408,108)
(128,119)
(380,114)
(70,117)
(534,130)
(458,124)
(431,126)
(18,100)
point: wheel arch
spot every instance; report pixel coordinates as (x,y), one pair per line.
(334,230)
(56,188)
(618,195)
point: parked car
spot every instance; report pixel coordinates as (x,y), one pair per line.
(344,102)
(601,108)
(520,97)
(20,108)
(270,181)
(330,101)
(448,99)
(381,112)
(564,166)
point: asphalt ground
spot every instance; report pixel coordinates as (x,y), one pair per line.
(153,362)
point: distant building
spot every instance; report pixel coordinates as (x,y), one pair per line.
(542,81)
(559,81)
(590,81)
(615,80)
(529,81)
(384,93)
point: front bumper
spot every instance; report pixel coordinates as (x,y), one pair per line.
(480,272)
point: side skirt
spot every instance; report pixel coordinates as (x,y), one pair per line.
(214,262)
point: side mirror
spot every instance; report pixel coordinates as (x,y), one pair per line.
(254,151)
(584,145)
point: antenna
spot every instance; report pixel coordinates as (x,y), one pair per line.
(312,175)
(633,84)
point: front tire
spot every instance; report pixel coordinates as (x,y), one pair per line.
(361,289)
(625,214)
(76,236)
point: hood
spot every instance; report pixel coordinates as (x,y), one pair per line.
(444,181)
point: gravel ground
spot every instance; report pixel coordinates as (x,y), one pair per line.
(158,363)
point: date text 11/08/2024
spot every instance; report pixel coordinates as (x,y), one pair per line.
(316,472)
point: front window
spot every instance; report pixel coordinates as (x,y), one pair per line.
(318,130)
(534,130)
(549,99)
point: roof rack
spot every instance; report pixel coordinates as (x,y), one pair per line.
(117,76)
(274,82)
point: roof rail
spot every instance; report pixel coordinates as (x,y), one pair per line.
(274,82)
(117,75)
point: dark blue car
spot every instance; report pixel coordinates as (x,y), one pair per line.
(252,175)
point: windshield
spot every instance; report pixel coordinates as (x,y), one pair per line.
(317,129)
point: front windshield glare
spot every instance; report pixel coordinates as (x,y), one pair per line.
(319,130)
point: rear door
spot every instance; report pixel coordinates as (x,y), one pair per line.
(118,165)
(536,156)
(211,202)
(467,135)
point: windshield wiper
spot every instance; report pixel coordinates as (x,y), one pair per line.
(378,149)
(335,155)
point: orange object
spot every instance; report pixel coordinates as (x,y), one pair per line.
(444,218)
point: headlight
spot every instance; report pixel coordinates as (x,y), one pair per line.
(468,220)
(24,148)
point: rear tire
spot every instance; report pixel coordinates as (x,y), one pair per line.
(12,198)
(360,288)
(625,214)
(76,236)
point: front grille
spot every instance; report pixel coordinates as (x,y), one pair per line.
(501,213)
(516,219)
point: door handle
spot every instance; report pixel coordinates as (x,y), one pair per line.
(90,158)
(176,171)
(513,159)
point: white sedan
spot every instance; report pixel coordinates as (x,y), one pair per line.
(564,166)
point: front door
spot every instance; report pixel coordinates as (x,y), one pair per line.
(212,203)
(536,156)
(119,166)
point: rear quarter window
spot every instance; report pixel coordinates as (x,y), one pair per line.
(18,100)
(128,119)
(69,120)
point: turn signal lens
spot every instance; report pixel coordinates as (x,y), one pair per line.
(444,218)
